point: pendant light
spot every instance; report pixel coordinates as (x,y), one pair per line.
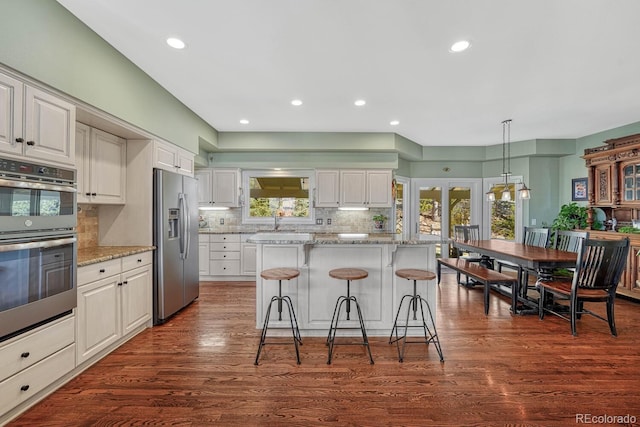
(524,192)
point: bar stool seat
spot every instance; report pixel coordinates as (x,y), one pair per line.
(415,274)
(280,274)
(347,274)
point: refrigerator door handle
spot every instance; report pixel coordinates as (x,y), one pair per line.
(183,224)
(187,226)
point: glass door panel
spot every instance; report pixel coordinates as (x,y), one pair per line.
(503,213)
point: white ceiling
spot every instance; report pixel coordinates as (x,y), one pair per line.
(558,68)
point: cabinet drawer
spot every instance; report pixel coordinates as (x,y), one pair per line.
(213,238)
(27,383)
(137,260)
(93,272)
(203,238)
(222,268)
(221,247)
(34,347)
(224,255)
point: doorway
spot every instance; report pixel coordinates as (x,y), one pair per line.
(439,204)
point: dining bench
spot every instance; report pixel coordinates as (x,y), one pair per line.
(489,278)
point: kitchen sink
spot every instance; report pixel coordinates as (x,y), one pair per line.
(282,236)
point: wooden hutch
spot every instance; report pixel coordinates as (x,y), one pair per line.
(614,187)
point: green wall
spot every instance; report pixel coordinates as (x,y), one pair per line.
(42,40)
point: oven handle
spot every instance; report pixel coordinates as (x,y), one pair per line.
(37,244)
(36,185)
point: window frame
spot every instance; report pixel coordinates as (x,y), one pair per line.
(282,221)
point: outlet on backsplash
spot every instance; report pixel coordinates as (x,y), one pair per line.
(328,221)
(221,221)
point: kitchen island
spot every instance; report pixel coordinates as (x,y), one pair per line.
(314,293)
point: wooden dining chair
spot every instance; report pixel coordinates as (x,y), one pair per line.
(569,240)
(595,279)
(532,237)
(466,233)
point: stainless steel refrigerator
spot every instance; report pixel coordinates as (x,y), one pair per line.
(175,235)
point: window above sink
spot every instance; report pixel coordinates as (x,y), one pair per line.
(278,197)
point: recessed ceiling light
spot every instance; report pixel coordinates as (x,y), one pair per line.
(460,46)
(244,121)
(360,102)
(296,102)
(175,43)
(394,122)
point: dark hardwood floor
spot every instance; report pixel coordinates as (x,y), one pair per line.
(197,370)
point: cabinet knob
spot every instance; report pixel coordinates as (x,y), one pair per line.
(25,387)
(119,283)
(224,256)
(93,194)
(31,143)
(20,140)
(87,194)
(102,270)
(139,260)
(125,282)
(25,354)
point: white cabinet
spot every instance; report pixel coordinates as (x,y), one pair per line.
(203,254)
(172,158)
(102,166)
(35,124)
(218,187)
(224,254)
(365,188)
(114,299)
(327,193)
(32,361)
(247,256)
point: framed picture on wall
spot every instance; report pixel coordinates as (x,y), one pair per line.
(579,189)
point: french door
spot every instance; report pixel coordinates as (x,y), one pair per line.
(439,204)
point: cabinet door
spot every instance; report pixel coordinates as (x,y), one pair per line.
(98,315)
(108,167)
(185,162)
(11,92)
(603,185)
(83,162)
(379,188)
(248,260)
(205,178)
(49,127)
(136,298)
(164,156)
(225,187)
(203,258)
(327,188)
(353,188)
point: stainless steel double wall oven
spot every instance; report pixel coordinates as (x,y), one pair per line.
(38,244)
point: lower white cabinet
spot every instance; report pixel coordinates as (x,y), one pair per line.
(203,254)
(226,257)
(31,362)
(114,299)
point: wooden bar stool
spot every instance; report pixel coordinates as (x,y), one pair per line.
(280,274)
(415,300)
(347,274)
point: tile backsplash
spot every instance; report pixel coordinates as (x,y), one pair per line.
(87,226)
(341,221)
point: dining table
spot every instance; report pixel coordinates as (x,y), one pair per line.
(541,260)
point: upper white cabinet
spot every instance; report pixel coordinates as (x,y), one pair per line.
(369,188)
(327,193)
(218,187)
(102,166)
(172,158)
(35,123)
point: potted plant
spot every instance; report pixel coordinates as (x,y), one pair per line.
(571,216)
(378,221)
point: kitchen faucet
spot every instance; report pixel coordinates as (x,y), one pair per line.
(276,224)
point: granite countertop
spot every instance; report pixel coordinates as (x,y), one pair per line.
(94,254)
(332,239)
